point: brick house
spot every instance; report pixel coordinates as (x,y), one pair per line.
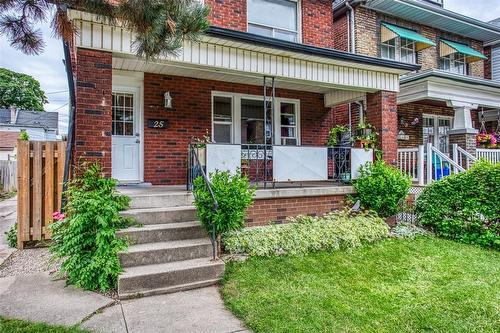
(445,101)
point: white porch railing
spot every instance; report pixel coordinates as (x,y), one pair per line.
(492,155)
(441,165)
(462,157)
(408,162)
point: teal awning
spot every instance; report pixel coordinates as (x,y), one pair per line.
(471,54)
(421,42)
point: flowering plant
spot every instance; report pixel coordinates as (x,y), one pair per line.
(58,216)
(486,139)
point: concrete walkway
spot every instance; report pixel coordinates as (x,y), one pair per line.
(8,216)
(39,298)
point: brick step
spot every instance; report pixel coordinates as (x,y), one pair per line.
(161,215)
(168,277)
(163,252)
(152,233)
(161,200)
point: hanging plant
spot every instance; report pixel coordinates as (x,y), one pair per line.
(486,140)
(366,136)
(338,134)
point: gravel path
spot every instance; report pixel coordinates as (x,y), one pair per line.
(27,262)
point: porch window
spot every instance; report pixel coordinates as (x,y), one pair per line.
(274,18)
(435,131)
(223,119)
(288,124)
(401,49)
(123,114)
(252,122)
(454,63)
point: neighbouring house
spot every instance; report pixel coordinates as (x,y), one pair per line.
(444,102)
(40,126)
(8,141)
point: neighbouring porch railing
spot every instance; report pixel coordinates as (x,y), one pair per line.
(408,162)
(271,164)
(462,157)
(492,155)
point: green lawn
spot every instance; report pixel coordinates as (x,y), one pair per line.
(21,326)
(421,285)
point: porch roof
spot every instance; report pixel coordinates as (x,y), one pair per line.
(445,86)
(241,57)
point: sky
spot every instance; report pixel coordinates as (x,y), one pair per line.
(48,68)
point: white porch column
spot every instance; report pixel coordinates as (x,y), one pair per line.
(463,132)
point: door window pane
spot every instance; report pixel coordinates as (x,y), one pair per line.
(288,124)
(252,121)
(223,119)
(428,130)
(123,114)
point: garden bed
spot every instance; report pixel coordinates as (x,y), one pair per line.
(396,285)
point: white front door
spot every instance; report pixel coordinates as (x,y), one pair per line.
(125,155)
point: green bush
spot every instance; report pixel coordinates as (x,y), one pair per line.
(233,195)
(85,240)
(11,236)
(381,188)
(307,234)
(464,207)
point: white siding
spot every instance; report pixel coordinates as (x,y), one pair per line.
(495,64)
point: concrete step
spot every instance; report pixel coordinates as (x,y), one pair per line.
(161,200)
(162,215)
(163,252)
(168,277)
(152,233)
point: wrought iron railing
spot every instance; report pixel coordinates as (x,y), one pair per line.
(257,163)
(339,164)
(197,169)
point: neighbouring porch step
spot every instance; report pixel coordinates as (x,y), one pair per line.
(169,277)
(161,200)
(163,252)
(162,215)
(152,233)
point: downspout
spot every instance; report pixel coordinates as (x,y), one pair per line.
(71,120)
(352,42)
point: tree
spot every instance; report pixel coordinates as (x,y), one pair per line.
(160,25)
(21,91)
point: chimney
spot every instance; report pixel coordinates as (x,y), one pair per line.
(13,114)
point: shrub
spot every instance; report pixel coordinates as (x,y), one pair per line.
(85,239)
(306,234)
(23,135)
(233,195)
(381,188)
(11,236)
(464,207)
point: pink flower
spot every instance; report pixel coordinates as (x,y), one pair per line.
(58,216)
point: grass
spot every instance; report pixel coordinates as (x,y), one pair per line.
(421,285)
(18,326)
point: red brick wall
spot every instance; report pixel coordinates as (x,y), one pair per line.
(317,23)
(93,108)
(340,33)
(165,151)
(317,19)
(381,112)
(231,14)
(265,211)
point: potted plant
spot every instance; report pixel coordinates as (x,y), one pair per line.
(338,135)
(200,146)
(486,140)
(365,136)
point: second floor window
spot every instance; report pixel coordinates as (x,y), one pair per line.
(454,63)
(400,49)
(274,18)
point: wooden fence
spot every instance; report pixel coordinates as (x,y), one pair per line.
(40,175)
(8,176)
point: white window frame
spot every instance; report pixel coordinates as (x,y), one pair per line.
(436,119)
(452,59)
(236,112)
(223,122)
(398,47)
(273,29)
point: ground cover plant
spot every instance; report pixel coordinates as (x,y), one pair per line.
(85,237)
(426,284)
(381,188)
(464,207)
(307,234)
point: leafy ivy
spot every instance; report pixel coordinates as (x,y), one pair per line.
(85,240)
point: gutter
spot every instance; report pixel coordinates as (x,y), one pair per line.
(351,29)
(307,49)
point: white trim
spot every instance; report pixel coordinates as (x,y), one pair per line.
(123,81)
(236,112)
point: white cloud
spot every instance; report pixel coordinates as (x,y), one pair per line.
(485,10)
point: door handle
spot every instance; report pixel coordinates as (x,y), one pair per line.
(137,141)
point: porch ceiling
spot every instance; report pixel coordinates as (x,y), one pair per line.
(444,86)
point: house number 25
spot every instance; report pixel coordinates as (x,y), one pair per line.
(157,123)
